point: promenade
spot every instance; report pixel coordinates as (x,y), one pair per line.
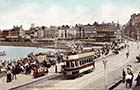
(23,79)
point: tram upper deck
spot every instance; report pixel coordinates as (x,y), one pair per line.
(79,55)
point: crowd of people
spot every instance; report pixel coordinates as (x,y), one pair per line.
(25,65)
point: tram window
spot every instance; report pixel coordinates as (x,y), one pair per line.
(76,63)
(72,64)
(82,61)
(85,61)
(68,64)
(89,59)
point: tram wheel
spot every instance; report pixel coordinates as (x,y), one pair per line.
(81,74)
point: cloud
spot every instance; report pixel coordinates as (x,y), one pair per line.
(4,3)
(28,15)
(111,12)
(80,15)
(53,15)
(57,15)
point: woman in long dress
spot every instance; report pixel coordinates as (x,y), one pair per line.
(9,76)
(138,80)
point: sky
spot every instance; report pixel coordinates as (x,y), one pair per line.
(59,12)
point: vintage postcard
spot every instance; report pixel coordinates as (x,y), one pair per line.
(69,44)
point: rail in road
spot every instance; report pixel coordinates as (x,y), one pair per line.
(114,69)
(95,80)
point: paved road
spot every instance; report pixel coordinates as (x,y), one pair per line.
(94,80)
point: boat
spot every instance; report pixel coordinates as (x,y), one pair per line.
(2,53)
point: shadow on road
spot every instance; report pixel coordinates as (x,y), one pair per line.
(62,77)
(115,85)
(136,88)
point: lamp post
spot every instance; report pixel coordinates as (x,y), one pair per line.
(137,44)
(55,52)
(105,72)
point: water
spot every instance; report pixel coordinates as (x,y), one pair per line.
(14,53)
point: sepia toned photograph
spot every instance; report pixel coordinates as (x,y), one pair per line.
(69,44)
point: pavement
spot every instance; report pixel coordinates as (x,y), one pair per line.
(136,70)
(23,79)
(121,86)
(95,80)
(90,81)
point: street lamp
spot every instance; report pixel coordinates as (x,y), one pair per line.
(137,44)
(105,72)
(55,52)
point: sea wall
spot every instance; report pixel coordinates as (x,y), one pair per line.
(30,44)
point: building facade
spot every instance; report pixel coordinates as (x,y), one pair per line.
(89,31)
(51,32)
(67,32)
(16,34)
(5,33)
(106,30)
(132,28)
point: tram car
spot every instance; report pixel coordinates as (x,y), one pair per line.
(76,64)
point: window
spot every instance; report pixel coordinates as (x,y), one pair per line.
(72,64)
(80,62)
(76,63)
(88,60)
(85,61)
(68,64)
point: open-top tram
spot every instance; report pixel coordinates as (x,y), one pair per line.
(79,63)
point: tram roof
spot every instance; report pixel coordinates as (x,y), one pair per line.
(80,55)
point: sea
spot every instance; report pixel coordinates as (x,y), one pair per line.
(17,52)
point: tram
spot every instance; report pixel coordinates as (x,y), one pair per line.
(76,64)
